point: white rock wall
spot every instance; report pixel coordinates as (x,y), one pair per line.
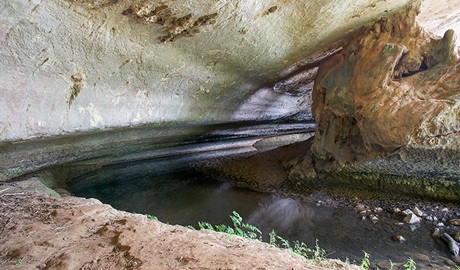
(68,66)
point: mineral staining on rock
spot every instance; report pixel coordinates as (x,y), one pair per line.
(77,86)
(173,26)
(380,92)
(387,110)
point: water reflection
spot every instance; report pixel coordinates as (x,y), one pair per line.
(186,197)
(289,217)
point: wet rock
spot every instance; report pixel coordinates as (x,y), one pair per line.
(412,219)
(417,211)
(453,245)
(374,218)
(407,212)
(455,222)
(361,207)
(429,218)
(440,224)
(436,233)
(378,209)
(414,227)
(399,238)
(396,211)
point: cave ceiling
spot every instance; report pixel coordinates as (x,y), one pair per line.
(71,66)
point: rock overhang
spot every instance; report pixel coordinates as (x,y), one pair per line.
(78,67)
(72,66)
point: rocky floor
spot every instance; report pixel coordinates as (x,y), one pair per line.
(39,231)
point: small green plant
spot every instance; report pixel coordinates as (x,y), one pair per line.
(410,265)
(252,232)
(319,254)
(391,265)
(151,217)
(19,261)
(272,236)
(190,227)
(365,263)
(239,228)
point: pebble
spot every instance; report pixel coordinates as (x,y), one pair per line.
(396,211)
(445,209)
(399,238)
(378,209)
(436,233)
(411,219)
(374,218)
(455,222)
(429,218)
(457,237)
(417,211)
(407,212)
(440,224)
(360,208)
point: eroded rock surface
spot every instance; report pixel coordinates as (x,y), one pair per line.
(80,65)
(392,86)
(387,109)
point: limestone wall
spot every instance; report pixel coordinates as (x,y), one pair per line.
(79,65)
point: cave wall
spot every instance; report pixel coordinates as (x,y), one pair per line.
(394,85)
(388,112)
(80,65)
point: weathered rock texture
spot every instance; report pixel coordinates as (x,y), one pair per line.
(43,232)
(388,117)
(79,65)
(387,109)
(392,86)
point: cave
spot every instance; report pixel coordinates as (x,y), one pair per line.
(129,127)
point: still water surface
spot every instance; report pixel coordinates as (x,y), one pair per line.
(176,194)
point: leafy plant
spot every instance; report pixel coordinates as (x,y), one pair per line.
(151,217)
(246,230)
(391,265)
(239,227)
(249,231)
(19,261)
(365,263)
(319,254)
(410,265)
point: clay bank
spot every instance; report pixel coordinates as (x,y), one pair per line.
(277,96)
